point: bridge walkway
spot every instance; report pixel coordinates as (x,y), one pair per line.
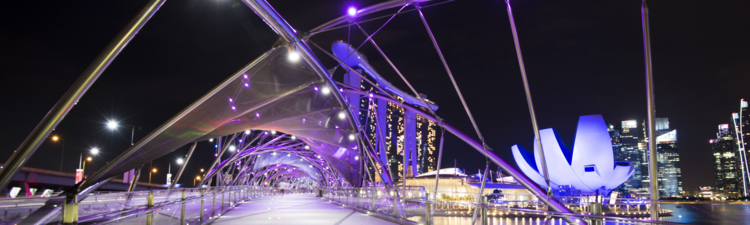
(294,209)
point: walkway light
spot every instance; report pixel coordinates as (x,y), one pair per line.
(352,11)
(342,115)
(232,148)
(325,90)
(293,56)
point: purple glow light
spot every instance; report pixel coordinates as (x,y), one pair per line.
(216,154)
(370,95)
(230,100)
(337,127)
(257,115)
(245,76)
(341,90)
(316,88)
(233,108)
(303,120)
(247,85)
(352,11)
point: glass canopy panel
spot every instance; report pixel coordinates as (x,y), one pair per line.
(268,159)
(275,92)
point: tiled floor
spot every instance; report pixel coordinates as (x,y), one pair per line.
(294,209)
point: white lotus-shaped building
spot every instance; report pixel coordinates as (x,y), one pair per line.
(589,167)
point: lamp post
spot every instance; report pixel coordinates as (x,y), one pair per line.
(84,162)
(112,125)
(153,170)
(197,178)
(62,152)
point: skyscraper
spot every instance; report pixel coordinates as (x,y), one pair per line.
(741,122)
(726,163)
(668,159)
(401,129)
(625,142)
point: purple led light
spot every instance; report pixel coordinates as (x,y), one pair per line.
(247,85)
(316,88)
(245,76)
(265,132)
(370,95)
(352,11)
(337,127)
(257,115)
(303,120)
(341,90)
(230,100)
(233,108)
(216,154)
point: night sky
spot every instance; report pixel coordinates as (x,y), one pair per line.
(582,58)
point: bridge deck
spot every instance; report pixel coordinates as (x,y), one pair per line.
(294,209)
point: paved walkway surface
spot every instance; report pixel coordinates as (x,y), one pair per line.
(294,209)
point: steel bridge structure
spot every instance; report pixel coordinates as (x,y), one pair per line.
(284,120)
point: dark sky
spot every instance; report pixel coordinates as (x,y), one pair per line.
(582,57)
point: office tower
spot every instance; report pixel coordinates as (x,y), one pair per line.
(726,163)
(668,160)
(626,141)
(741,122)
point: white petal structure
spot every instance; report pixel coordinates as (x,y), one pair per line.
(589,167)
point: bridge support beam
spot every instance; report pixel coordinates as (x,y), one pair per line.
(150,205)
(70,209)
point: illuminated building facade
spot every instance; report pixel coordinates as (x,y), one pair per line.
(625,143)
(668,159)
(741,122)
(726,162)
(409,144)
(590,166)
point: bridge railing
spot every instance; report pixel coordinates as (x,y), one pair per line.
(415,206)
(175,206)
(13,210)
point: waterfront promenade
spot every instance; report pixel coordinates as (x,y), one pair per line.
(294,209)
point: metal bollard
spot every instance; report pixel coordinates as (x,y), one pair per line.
(150,205)
(359,192)
(182,207)
(395,205)
(596,209)
(372,197)
(428,209)
(224,190)
(200,212)
(213,205)
(484,205)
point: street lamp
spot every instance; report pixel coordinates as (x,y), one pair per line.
(201,170)
(112,125)
(84,163)
(153,170)
(94,151)
(197,178)
(62,152)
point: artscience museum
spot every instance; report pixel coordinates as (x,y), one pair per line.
(588,167)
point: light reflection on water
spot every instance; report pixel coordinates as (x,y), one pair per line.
(705,213)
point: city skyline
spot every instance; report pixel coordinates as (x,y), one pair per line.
(685,94)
